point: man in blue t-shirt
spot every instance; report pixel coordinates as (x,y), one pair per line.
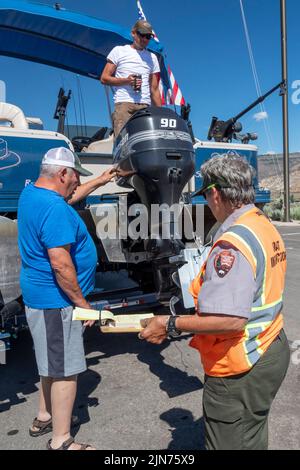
(58,269)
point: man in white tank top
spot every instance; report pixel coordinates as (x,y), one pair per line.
(132,71)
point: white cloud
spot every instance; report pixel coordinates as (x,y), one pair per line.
(270,152)
(260,116)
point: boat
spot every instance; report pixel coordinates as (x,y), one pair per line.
(134,274)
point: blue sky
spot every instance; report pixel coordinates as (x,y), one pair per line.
(206,48)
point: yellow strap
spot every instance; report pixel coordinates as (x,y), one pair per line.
(263,307)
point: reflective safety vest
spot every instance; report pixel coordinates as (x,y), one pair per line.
(234,353)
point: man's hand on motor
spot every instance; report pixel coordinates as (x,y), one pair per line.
(108,175)
(154,329)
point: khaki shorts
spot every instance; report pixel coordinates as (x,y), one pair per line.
(123,112)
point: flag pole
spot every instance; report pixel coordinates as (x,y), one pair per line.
(285,117)
(175,98)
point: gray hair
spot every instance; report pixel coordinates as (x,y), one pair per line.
(49,171)
(234,171)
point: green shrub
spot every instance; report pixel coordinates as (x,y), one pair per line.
(274,209)
(277,204)
(275,212)
(295,212)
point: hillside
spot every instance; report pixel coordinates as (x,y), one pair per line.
(270,172)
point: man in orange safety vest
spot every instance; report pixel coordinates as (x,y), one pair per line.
(238,323)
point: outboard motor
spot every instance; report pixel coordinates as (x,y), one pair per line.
(155,156)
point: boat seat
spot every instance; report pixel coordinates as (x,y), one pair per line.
(100,134)
(100,146)
(35,123)
(80,142)
(14,115)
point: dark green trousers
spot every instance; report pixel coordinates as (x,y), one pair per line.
(236,408)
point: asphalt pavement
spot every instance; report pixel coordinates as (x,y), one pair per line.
(139,396)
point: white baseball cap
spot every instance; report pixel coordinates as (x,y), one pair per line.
(63,156)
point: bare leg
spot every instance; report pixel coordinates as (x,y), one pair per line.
(45,399)
(44,412)
(63,394)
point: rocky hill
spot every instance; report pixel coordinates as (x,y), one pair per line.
(270,172)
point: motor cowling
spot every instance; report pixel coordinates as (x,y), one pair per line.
(154,155)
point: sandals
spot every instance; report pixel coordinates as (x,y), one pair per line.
(65,445)
(46,426)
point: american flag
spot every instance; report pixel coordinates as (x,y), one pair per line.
(171,95)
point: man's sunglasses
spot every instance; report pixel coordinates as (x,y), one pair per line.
(213,185)
(147,35)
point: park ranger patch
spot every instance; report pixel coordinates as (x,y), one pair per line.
(223,262)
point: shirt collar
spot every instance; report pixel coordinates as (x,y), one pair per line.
(231,219)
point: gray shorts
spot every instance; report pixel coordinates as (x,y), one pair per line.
(58,341)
